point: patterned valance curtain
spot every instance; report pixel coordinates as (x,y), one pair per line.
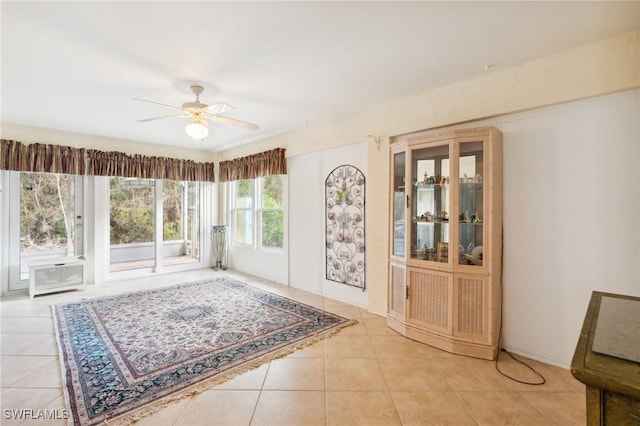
(17,156)
(265,163)
(113,163)
(38,157)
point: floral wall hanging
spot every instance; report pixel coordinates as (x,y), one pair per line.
(345,243)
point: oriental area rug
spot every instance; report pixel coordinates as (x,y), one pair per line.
(124,357)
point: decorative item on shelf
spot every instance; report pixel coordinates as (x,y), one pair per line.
(432,180)
(466,217)
(431,253)
(443,216)
(476,217)
(478,178)
(425,179)
(474,257)
(442,253)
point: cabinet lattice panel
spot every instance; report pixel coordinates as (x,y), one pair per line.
(397,290)
(470,306)
(429,299)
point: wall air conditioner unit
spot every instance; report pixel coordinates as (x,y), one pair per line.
(56,274)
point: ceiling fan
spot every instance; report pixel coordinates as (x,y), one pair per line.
(199,113)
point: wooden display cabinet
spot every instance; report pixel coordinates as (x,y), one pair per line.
(446,239)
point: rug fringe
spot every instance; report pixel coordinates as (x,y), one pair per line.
(153,407)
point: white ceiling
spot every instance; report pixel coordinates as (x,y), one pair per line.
(76,66)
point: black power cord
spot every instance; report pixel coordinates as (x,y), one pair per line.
(542,379)
(500,348)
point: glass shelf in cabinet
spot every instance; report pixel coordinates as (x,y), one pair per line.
(432,186)
(471,185)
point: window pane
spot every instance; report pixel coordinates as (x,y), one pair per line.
(180,222)
(132,223)
(47,217)
(272,192)
(172,214)
(244,194)
(243,226)
(272,229)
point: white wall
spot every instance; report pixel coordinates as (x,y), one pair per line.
(571,218)
(307,254)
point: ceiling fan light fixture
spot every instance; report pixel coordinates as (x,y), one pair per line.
(197,129)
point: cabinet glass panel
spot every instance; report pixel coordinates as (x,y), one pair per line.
(430,204)
(399,206)
(471,209)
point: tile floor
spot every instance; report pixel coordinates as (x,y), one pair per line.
(365,375)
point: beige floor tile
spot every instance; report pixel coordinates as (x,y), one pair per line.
(311,300)
(290,408)
(378,327)
(315,350)
(350,312)
(47,376)
(412,375)
(361,409)
(26,325)
(431,408)
(561,408)
(345,346)
(501,408)
(354,330)
(556,379)
(398,347)
(470,374)
(16,368)
(24,308)
(28,344)
(364,313)
(295,374)
(352,374)
(165,416)
(219,408)
(17,399)
(52,414)
(251,380)
(364,370)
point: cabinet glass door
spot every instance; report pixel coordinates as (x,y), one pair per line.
(399,204)
(471,209)
(430,204)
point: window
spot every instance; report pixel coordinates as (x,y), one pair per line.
(135,228)
(271,212)
(243,211)
(258,201)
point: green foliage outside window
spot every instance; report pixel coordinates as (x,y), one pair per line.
(46,210)
(272,220)
(133,206)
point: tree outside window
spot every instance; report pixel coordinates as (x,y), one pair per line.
(271,212)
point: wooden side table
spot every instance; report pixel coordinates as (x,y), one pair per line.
(607,359)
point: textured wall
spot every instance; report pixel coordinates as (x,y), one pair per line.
(608,66)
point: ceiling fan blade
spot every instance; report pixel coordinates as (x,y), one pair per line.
(163,117)
(219,108)
(234,122)
(158,103)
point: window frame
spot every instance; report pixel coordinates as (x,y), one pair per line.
(257,209)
